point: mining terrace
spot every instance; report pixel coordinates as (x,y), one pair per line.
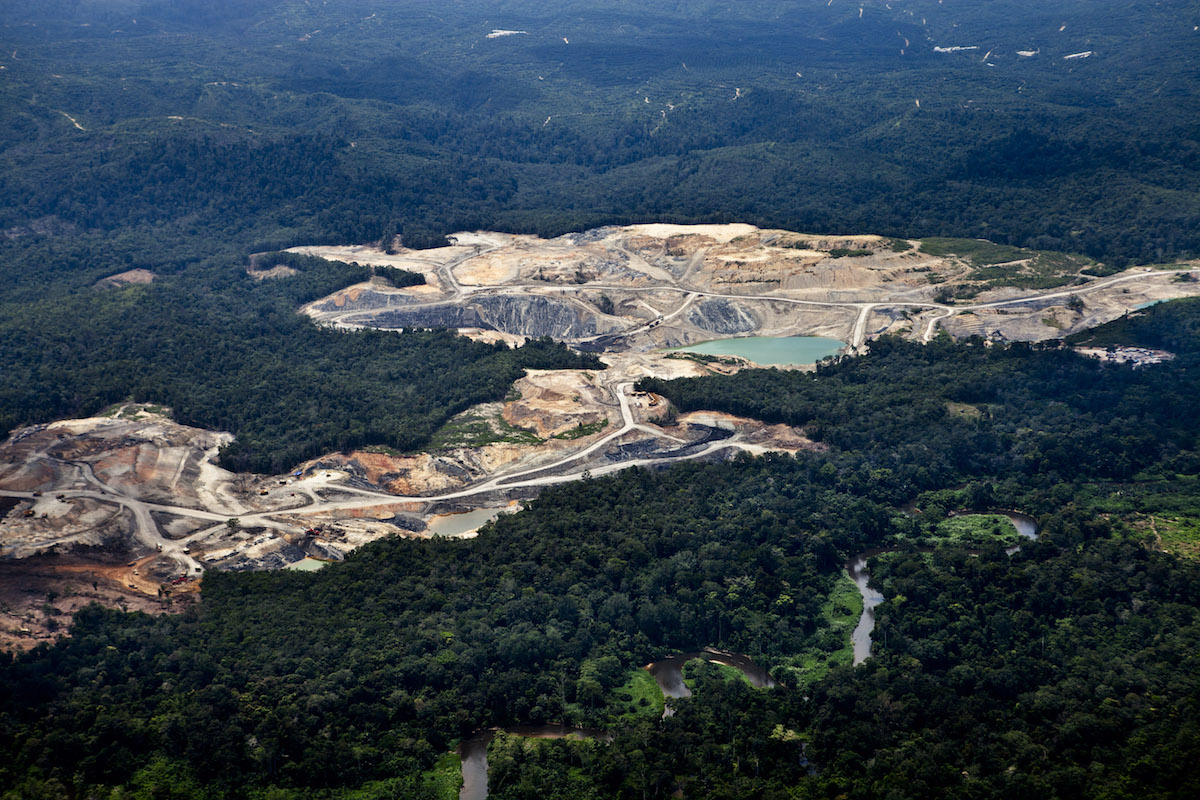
(130,508)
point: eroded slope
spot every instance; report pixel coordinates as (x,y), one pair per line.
(642,287)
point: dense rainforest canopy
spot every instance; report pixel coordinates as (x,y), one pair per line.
(1065,669)
(288,122)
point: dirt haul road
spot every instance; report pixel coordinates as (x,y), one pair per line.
(321,514)
(63,475)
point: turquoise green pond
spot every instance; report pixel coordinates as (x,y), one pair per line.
(306,565)
(770,350)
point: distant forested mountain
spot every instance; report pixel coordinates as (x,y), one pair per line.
(1067,126)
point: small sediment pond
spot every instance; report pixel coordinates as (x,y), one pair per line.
(463,525)
(769,351)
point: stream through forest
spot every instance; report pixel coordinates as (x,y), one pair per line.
(856,567)
(668,673)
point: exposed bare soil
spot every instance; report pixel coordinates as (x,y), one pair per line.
(556,402)
(277,271)
(643,287)
(40,595)
(128,278)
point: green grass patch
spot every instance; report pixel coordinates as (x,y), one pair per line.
(133,410)
(445,779)
(844,605)
(840,612)
(965,410)
(976,529)
(731,673)
(464,431)
(472,430)
(1042,271)
(692,668)
(514,435)
(978,252)
(1179,535)
(581,430)
(638,697)
(805,669)
(993,265)
(1162,502)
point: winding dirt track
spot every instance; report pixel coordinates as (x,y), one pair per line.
(149,534)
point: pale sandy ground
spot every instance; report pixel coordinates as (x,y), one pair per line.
(278,271)
(718,233)
(128,278)
(658,276)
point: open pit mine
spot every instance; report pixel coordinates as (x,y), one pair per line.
(130,508)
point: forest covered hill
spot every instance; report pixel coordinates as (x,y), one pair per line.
(293,121)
